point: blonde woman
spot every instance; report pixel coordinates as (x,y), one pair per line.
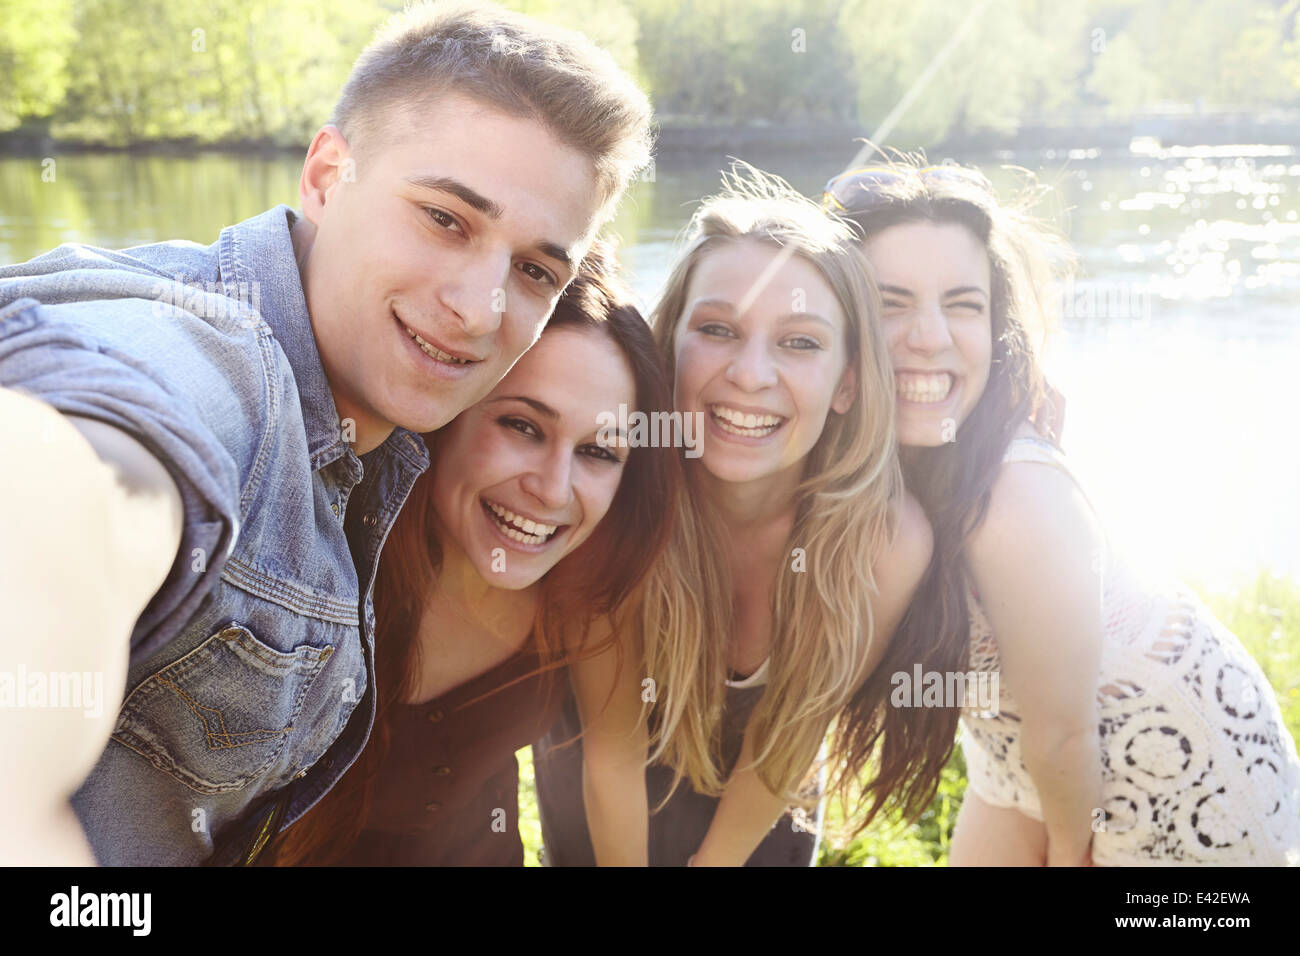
(794,554)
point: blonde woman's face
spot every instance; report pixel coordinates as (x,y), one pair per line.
(934,289)
(760,352)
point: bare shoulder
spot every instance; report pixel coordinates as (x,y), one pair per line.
(913,543)
(1033,508)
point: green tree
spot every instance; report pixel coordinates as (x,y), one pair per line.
(34,40)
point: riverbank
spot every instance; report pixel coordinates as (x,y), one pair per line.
(685,139)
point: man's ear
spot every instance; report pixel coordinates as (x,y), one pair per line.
(327,163)
(847,390)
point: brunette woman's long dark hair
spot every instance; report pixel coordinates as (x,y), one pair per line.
(952,481)
(597,579)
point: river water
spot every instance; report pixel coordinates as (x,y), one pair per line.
(1179,349)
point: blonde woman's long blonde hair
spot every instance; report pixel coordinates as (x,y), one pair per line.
(851,484)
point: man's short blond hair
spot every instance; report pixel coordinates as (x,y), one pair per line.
(508,61)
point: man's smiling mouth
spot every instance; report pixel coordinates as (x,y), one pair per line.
(435,353)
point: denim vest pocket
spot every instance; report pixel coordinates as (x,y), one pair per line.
(219,717)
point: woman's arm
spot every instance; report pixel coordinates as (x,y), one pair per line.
(748,809)
(1036,561)
(614,745)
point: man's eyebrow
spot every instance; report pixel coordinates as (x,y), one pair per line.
(471,198)
(540,407)
(489,208)
(963,289)
(557,252)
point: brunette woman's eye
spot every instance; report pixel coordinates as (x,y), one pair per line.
(521,425)
(600,453)
(975,307)
(716,329)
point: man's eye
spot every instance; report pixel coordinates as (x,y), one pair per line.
(537,273)
(521,425)
(976,307)
(443,219)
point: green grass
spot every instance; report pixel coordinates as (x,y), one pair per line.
(1263,613)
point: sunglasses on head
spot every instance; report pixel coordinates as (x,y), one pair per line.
(852,192)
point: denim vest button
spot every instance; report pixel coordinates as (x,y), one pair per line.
(442,770)
(435,715)
(369,519)
(432,806)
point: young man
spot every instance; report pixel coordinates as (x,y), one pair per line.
(204,448)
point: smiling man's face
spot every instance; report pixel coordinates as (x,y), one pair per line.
(461,227)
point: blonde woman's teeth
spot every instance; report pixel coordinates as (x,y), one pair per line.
(914,387)
(519,528)
(744,423)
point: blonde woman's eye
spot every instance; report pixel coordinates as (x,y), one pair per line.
(804,343)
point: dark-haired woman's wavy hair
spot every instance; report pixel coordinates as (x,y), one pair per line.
(952,481)
(599,578)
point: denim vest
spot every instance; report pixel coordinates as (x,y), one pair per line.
(250,667)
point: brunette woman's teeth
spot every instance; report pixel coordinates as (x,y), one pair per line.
(517,527)
(744,423)
(926,388)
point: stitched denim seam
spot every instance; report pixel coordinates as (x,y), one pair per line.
(288,596)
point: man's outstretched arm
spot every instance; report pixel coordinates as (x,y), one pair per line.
(92,523)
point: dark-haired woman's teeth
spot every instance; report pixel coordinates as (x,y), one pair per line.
(521,529)
(924,388)
(743,423)
(434,352)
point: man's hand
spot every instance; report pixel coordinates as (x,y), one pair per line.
(92,525)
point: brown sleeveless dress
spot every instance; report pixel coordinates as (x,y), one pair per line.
(448,794)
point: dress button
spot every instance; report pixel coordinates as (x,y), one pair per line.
(442,770)
(369,519)
(432,806)
(435,715)
(329,763)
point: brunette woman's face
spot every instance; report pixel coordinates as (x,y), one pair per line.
(519,479)
(765,361)
(934,287)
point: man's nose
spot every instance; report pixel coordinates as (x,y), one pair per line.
(477,293)
(752,369)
